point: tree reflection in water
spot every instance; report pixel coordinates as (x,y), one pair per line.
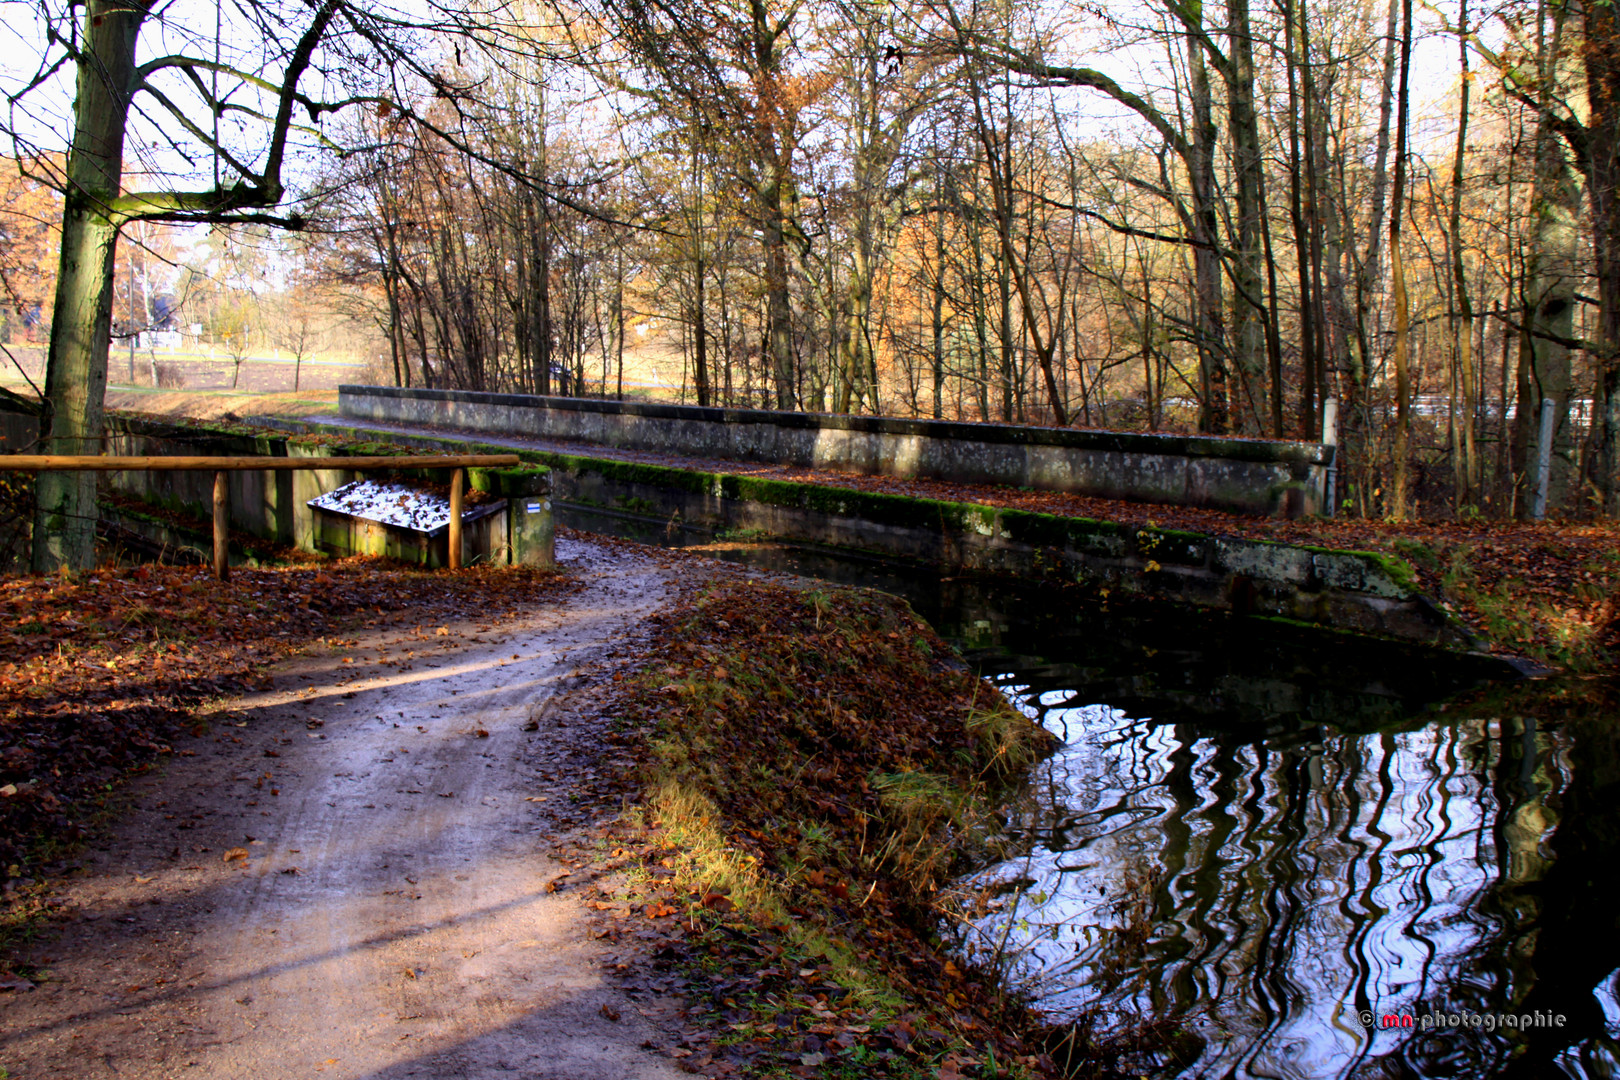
(1269,881)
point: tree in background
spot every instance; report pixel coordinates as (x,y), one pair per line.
(30,219)
(217,116)
(964,211)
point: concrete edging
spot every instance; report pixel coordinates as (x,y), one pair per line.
(1242,475)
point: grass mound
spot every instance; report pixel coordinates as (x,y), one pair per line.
(820,764)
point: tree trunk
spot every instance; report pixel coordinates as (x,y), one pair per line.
(1248,265)
(1467,471)
(1361,360)
(938,306)
(1550,280)
(1602,61)
(1296,55)
(76,369)
(1214,408)
(700,329)
(541,350)
(778,309)
(1401,495)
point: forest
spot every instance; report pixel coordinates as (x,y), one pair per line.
(1161,216)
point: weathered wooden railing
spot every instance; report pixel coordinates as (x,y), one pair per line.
(219,466)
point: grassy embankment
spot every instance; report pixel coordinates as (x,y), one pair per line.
(818,765)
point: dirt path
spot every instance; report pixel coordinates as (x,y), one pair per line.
(352,881)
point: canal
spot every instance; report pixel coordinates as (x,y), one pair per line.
(1267,851)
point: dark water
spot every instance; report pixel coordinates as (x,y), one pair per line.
(1263,833)
(1265,858)
(1267,833)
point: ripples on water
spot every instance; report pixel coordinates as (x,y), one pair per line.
(1262,832)
(1268,889)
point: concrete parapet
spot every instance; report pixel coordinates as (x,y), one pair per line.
(1254,476)
(530,525)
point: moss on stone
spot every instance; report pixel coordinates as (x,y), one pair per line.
(510,481)
(1399,572)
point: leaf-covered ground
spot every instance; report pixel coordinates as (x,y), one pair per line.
(98,671)
(818,765)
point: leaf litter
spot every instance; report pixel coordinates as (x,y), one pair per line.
(813,765)
(102,673)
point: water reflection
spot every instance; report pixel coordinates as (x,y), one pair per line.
(1265,832)
(1269,890)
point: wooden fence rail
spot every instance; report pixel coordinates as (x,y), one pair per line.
(219,466)
(94,463)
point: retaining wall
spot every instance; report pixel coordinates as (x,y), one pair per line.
(1361,592)
(1242,475)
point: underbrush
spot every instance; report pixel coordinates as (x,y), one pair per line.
(1552,603)
(820,766)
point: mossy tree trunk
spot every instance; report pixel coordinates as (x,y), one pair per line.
(76,370)
(95,207)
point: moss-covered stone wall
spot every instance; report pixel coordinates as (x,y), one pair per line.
(1361,592)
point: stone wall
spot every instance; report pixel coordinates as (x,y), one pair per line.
(1243,475)
(1355,591)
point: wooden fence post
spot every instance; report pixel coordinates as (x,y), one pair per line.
(455,520)
(222,527)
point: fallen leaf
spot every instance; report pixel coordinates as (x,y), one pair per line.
(609,1011)
(234,854)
